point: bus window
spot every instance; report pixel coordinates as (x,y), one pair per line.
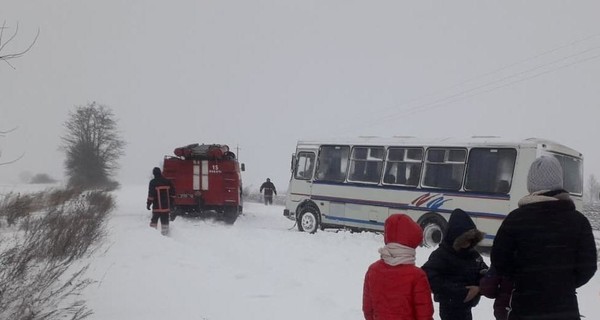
(305,165)
(572,173)
(444,168)
(403,166)
(490,170)
(366,164)
(333,163)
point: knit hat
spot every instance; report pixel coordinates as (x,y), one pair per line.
(156,172)
(545,173)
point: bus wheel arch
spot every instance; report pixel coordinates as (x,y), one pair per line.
(308,217)
(434,229)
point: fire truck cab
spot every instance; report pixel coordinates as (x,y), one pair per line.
(207,178)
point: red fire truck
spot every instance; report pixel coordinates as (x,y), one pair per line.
(207,178)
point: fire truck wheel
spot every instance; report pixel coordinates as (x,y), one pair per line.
(230,214)
(176,212)
(308,220)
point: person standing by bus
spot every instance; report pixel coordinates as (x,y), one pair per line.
(455,268)
(160,195)
(269,189)
(394,288)
(546,247)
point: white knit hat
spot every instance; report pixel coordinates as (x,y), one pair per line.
(545,173)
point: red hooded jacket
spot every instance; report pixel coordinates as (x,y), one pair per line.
(398,292)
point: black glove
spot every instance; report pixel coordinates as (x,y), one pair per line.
(147,206)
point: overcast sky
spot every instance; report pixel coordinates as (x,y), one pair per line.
(260,75)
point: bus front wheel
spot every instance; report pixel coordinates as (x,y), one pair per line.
(308,220)
(434,229)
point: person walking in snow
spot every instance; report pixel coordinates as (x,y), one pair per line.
(160,195)
(455,268)
(394,288)
(546,246)
(269,189)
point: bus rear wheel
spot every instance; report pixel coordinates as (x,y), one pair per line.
(308,220)
(434,228)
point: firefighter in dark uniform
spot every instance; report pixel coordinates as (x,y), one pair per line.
(269,189)
(160,195)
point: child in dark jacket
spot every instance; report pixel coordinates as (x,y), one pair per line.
(394,288)
(499,288)
(455,268)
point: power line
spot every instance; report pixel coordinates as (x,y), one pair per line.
(516,75)
(432,106)
(457,96)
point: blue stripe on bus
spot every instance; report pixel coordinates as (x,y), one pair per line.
(395,205)
(454,193)
(354,220)
(486,236)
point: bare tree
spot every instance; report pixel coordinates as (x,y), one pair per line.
(593,188)
(3,45)
(93,146)
(3,134)
(6,57)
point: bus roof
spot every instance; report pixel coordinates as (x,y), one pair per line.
(475,141)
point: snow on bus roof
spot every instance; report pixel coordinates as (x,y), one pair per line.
(489,141)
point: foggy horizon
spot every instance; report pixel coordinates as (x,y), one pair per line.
(259,76)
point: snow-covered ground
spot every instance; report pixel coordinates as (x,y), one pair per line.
(259,268)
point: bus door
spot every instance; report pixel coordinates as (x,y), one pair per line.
(366,216)
(302,176)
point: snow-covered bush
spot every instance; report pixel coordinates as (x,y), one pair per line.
(592,212)
(44,235)
(42,178)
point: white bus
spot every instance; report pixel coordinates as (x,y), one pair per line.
(357,183)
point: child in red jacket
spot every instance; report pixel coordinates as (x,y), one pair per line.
(394,287)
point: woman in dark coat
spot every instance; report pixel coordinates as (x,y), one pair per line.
(455,268)
(546,247)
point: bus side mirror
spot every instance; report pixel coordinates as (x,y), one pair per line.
(243,167)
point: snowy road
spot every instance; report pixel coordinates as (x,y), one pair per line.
(256,269)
